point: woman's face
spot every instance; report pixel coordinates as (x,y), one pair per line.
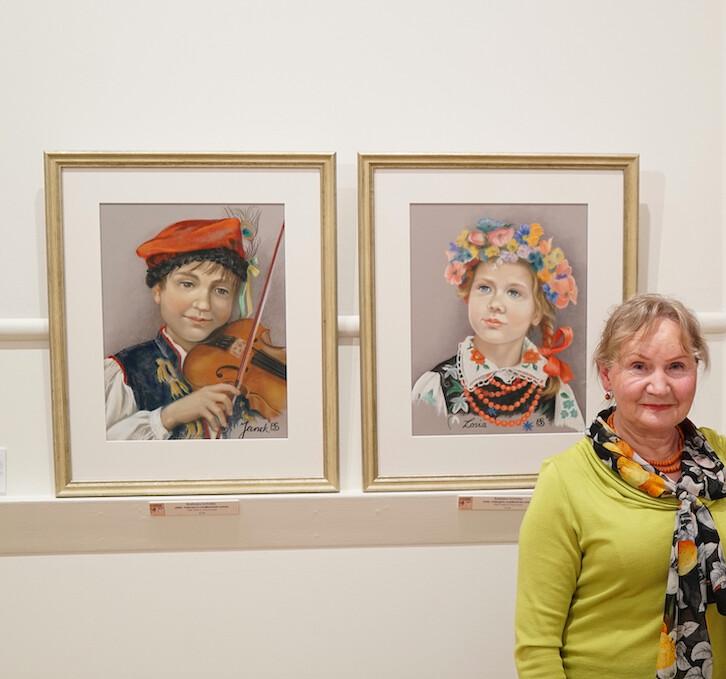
(653,380)
(501,303)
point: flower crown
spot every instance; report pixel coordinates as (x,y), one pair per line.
(499,242)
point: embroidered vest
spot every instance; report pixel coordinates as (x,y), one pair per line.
(153,372)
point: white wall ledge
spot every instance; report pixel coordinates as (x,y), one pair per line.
(46,525)
(23,329)
(14,330)
(103,525)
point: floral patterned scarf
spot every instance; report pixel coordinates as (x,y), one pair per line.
(697,572)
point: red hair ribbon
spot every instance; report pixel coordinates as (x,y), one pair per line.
(556,367)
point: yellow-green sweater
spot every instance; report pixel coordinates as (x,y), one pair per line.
(593,565)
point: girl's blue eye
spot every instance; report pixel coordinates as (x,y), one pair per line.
(484,288)
(514,293)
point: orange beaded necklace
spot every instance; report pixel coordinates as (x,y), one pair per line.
(503,400)
(667,466)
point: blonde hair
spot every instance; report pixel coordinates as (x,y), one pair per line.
(542,306)
(640,314)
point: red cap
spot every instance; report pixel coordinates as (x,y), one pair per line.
(192,235)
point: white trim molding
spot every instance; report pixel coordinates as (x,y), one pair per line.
(712,322)
(67,526)
(23,330)
(36,329)
(13,330)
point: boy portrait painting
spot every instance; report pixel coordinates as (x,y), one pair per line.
(194,349)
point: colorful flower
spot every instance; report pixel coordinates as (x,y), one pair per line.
(486,225)
(554,258)
(500,237)
(492,252)
(458,254)
(535,233)
(455,273)
(523,252)
(545,246)
(477,357)
(522,233)
(499,242)
(530,356)
(550,294)
(462,240)
(566,289)
(536,260)
(476,238)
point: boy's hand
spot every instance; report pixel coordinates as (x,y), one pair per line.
(212,403)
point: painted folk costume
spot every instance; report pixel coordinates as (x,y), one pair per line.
(535,389)
(141,380)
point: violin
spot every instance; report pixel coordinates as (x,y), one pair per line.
(219,358)
(241,354)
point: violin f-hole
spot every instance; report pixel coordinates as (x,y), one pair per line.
(220,373)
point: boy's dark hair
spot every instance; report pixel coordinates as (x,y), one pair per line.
(227,258)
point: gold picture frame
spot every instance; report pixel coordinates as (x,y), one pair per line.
(393,189)
(85,193)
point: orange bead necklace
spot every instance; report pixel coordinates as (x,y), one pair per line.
(502,400)
(667,466)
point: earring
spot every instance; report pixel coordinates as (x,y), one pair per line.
(608,395)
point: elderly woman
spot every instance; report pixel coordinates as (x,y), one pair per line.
(621,568)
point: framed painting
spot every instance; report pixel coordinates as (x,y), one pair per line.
(190,353)
(484,282)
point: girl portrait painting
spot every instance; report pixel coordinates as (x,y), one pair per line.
(512,281)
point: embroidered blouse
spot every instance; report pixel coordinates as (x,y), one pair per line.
(443,386)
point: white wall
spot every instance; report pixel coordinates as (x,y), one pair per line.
(642,76)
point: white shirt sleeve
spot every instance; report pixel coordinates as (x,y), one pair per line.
(428,390)
(124,421)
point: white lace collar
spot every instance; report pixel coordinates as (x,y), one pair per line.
(472,374)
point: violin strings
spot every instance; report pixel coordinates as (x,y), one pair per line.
(272,365)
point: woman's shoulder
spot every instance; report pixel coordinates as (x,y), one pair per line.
(571,461)
(716,440)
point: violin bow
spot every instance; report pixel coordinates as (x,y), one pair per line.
(247,354)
